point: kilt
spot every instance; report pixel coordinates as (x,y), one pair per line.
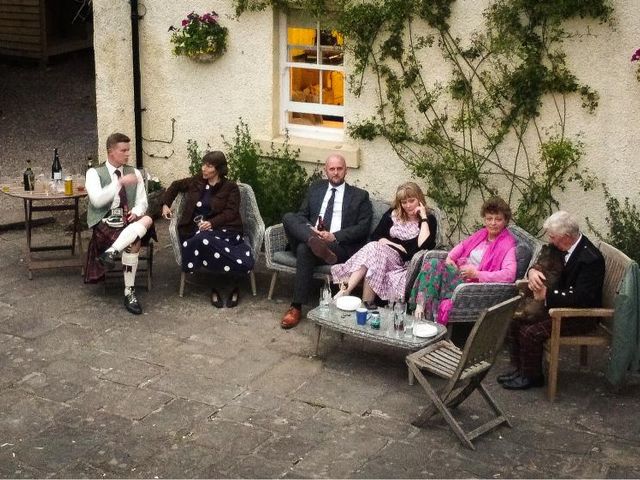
(102,238)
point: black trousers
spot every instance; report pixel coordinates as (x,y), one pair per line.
(298,230)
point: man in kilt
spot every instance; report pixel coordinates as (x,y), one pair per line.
(116,212)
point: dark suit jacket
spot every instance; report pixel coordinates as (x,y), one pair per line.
(581,281)
(356,213)
(225,203)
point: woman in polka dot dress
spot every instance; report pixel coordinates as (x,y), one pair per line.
(211,227)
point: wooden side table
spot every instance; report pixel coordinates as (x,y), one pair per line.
(50,202)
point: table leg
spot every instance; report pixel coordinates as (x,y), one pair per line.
(318,332)
(27,228)
(411,377)
(75,227)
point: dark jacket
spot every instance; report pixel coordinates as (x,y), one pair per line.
(356,213)
(580,284)
(411,246)
(225,203)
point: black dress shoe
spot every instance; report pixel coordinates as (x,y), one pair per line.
(505,377)
(108,260)
(131,302)
(216,299)
(234,296)
(523,383)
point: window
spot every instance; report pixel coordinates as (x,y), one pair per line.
(312,79)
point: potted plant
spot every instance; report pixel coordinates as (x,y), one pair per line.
(200,37)
(155,192)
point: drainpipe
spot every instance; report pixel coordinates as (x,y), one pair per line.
(137,107)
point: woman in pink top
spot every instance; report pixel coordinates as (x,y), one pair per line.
(489,255)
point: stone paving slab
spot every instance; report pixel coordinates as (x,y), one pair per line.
(186,390)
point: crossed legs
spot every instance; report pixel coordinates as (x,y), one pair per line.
(129,243)
(368,295)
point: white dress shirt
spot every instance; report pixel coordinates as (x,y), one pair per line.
(100,197)
(570,251)
(336,219)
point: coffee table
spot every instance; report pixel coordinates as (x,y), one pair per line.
(345,322)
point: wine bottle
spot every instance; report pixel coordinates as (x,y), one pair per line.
(320,226)
(28,178)
(89,164)
(56,167)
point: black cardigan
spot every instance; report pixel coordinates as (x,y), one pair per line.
(411,245)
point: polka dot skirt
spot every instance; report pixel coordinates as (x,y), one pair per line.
(221,250)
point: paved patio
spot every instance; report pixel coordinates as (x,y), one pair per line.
(185,390)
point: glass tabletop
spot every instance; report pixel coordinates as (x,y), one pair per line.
(345,322)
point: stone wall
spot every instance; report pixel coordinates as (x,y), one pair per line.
(206,100)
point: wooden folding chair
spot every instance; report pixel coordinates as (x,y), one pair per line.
(465,370)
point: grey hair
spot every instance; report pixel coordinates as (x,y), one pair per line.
(562,223)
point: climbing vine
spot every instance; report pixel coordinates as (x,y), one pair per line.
(478,132)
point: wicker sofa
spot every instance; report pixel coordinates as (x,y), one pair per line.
(279,259)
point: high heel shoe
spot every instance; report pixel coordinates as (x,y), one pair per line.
(216,299)
(233,299)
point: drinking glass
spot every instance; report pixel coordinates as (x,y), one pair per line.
(408,325)
(6,183)
(78,181)
(399,309)
(325,297)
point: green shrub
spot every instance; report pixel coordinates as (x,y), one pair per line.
(623,220)
(195,157)
(276,177)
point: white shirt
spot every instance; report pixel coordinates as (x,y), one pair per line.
(570,251)
(99,197)
(336,219)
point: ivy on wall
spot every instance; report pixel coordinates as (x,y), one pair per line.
(479,130)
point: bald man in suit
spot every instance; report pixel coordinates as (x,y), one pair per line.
(332,223)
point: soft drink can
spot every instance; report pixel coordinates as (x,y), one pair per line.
(68,186)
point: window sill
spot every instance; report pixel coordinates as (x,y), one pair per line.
(315,151)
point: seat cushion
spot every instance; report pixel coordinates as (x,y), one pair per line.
(289,259)
(523,258)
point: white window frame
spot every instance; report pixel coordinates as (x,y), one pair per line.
(286,104)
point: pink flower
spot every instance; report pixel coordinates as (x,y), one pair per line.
(185,23)
(636,56)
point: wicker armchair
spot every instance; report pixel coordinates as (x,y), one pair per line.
(279,259)
(251,221)
(470,299)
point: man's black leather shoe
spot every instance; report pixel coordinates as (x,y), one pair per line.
(523,383)
(108,260)
(505,377)
(131,302)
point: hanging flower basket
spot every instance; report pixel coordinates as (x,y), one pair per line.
(200,37)
(203,57)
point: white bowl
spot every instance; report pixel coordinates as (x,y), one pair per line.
(425,330)
(348,303)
